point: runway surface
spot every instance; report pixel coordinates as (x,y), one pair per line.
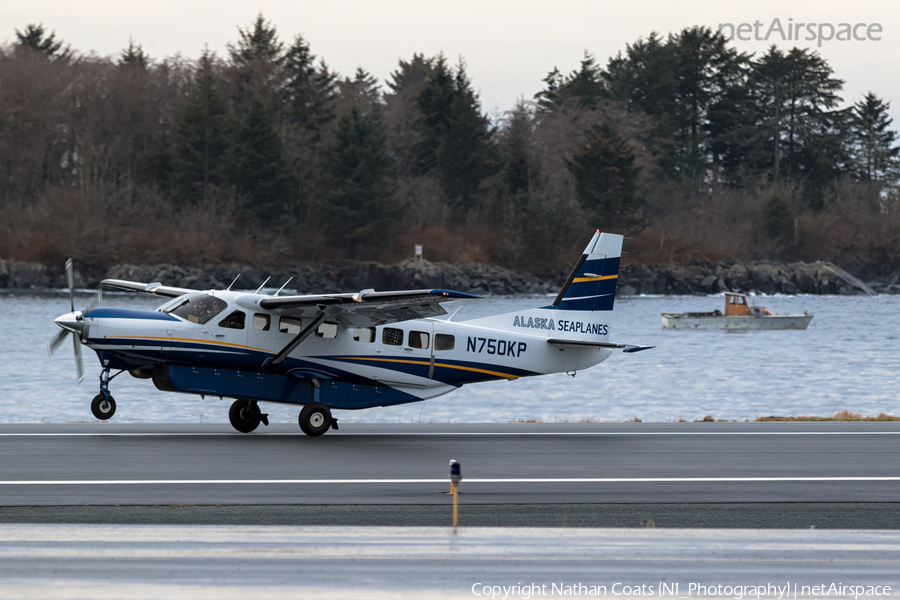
(60,562)
(503,464)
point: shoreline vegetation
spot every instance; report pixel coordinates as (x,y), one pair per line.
(263,155)
(478,278)
(839,416)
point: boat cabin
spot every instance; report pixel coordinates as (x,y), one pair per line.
(736,305)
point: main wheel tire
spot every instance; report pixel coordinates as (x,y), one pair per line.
(315,419)
(103,407)
(244,415)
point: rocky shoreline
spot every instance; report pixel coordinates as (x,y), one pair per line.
(343,276)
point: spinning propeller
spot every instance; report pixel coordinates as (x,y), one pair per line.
(73,322)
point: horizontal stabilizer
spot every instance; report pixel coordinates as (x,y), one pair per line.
(622,347)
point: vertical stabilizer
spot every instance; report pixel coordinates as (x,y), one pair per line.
(592,283)
(583,309)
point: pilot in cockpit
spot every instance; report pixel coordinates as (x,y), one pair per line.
(201,312)
(217,307)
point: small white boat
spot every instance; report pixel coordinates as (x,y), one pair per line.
(738,316)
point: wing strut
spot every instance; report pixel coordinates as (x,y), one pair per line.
(274,362)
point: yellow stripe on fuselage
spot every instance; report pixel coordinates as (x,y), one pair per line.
(175,339)
(582,279)
(436,364)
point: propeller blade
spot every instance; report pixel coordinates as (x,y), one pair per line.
(56,341)
(70,279)
(78,364)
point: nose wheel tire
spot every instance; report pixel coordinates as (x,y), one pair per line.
(244,415)
(103,406)
(315,419)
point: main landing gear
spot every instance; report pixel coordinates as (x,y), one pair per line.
(245,415)
(104,405)
(315,419)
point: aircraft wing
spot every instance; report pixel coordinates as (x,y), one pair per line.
(367,308)
(151,288)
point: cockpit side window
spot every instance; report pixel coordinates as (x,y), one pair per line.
(198,309)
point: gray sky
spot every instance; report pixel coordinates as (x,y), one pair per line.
(509,47)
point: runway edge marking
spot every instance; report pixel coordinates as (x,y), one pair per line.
(427,433)
(468,480)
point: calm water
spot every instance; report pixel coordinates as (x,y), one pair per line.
(847,359)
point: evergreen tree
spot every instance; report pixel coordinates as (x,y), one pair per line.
(457,140)
(582,88)
(362,92)
(256,59)
(308,92)
(466,154)
(515,143)
(257,166)
(134,56)
(435,102)
(732,128)
(257,44)
(606,177)
(548,99)
(875,156)
(36,39)
(645,80)
(794,92)
(360,208)
(412,75)
(201,142)
(706,71)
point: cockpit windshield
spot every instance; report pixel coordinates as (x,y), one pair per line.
(198,309)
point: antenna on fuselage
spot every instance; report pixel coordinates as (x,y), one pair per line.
(282,287)
(228,289)
(263,284)
(450,318)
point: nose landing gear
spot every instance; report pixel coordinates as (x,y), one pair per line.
(103,406)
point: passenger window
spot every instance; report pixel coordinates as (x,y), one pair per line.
(260,322)
(418,339)
(442,341)
(392,337)
(233,321)
(327,330)
(291,325)
(364,334)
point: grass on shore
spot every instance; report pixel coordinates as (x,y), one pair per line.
(841,415)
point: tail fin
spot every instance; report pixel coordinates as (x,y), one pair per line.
(592,283)
(582,310)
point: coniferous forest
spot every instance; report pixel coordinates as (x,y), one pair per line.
(266,155)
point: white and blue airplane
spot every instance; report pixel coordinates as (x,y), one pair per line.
(342,351)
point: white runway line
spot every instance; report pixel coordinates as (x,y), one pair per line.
(444,481)
(452,434)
